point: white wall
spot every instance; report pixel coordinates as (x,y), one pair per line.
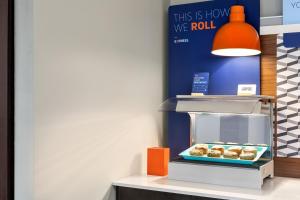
(98,69)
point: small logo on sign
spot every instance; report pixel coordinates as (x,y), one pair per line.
(181,41)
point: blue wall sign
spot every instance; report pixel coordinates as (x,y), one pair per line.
(291,11)
(192,28)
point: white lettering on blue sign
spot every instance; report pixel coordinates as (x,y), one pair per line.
(181,41)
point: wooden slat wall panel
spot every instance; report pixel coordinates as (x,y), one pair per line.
(269,44)
(268,65)
(287,167)
(268,75)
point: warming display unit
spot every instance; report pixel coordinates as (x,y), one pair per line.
(231,140)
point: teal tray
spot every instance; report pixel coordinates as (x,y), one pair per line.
(260,151)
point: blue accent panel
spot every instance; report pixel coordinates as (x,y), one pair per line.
(291,40)
(190,53)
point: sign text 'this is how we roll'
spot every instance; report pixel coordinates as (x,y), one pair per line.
(199,20)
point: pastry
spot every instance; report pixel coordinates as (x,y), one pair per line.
(218,148)
(236,149)
(250,150)
(247,156)
(197,152)
(214,153)
(203,147)
(231,154)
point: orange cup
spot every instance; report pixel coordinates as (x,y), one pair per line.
(157,161)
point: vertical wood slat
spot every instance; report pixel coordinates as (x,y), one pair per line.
(268,65)
(6,99)
(287,167)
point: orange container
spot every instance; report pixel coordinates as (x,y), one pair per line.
(157,161)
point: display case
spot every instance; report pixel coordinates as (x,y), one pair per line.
(225,123)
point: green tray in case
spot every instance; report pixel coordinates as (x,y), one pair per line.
(260,151)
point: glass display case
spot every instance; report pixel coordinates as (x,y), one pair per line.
(243,124)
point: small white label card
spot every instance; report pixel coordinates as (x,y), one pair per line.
(246,89)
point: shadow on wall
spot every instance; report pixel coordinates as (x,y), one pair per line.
(135,166)
(110,194)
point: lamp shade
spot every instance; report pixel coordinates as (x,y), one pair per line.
(236,38)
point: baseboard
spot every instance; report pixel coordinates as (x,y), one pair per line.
(287,167)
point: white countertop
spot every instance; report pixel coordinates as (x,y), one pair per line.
(279,29)
(276,188)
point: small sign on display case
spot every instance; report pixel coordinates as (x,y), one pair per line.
(246,90)
(200,84)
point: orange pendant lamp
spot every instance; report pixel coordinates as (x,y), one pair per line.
(236,38)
